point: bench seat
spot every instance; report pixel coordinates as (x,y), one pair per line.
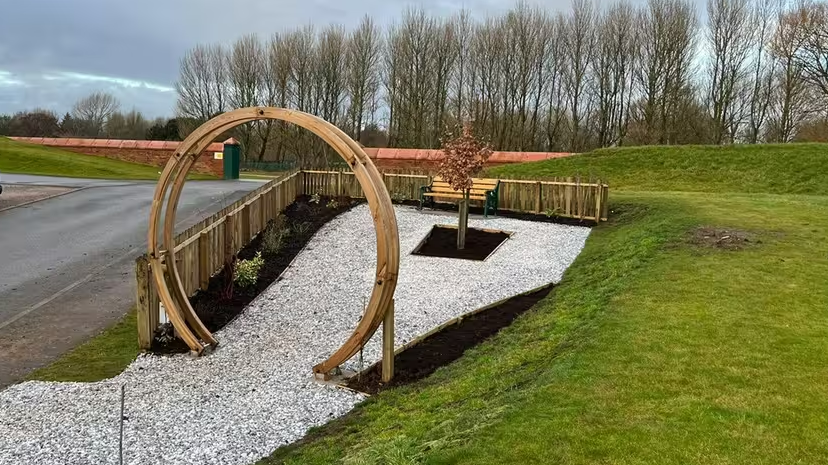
(485,190)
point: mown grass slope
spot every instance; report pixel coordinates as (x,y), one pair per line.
(772,168)
(655,349)
(22,158)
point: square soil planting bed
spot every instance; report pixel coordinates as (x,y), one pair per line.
(441,241)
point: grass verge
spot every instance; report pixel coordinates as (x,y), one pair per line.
(763,168)
(22,158)
(103,356)
(652,350)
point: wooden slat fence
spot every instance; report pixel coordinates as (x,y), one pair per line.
(564,197)
(203,249)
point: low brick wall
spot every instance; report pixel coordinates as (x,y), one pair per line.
(155,153)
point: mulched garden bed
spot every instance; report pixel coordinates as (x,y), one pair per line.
(216,308)
(443,347)
(442,242)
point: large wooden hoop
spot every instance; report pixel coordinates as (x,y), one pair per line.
(162,259)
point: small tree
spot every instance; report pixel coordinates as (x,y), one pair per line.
(464,157)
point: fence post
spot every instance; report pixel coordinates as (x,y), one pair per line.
(204,271)
(229,233)
(146,303)
(338,183)
(598,194)
(245,226)
(388,345)
(539,187)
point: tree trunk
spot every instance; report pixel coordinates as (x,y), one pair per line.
(463,224)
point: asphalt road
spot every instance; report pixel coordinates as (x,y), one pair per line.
(67,263)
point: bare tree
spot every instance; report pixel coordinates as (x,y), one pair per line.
(363,75)
(667,51)
(615,60)
(201,82)
(579,42)
(762,69)
(812,54)
(730,32)
(791,93)
(95,109)
(245,74)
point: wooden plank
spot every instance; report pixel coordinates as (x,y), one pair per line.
(229,237)
(147,312)
(204,270)
(388,345)
(538,189)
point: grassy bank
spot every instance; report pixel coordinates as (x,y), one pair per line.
(773,168)
(103,356)
(22,158)
(654,349)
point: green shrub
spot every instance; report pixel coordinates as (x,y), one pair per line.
(247,271)
(333,204)
(275,236)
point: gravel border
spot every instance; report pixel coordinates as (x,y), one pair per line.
(256,392)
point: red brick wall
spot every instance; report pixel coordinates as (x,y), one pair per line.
(154,153)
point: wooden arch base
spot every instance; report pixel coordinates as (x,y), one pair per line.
(168,191)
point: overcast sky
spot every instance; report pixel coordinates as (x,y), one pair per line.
(53,52)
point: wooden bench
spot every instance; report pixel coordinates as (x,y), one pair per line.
(482,189)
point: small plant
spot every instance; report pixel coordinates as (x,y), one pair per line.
(333,204)
(551,212)
(398,197)
(247,271)
(316,198)
(275,236)
(302,229)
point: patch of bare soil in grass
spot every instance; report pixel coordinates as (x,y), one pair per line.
(14,195)
(722,238)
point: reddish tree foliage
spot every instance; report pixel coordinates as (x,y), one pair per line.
(465,156)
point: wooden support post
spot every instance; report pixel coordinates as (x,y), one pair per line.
(539,188)
(598,195)
(204,270)
(388,345)
(338,184)
(229,233)
(146,303)
(245,226)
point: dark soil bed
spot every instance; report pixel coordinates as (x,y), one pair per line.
(444,347)
(215,308)
(442,242)
(719,238)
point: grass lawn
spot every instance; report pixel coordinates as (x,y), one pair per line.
(103,356)
(653,350)
(22,158)
(772,168)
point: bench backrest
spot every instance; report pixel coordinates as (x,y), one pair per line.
(479,185)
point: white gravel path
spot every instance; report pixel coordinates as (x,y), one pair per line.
(256,392)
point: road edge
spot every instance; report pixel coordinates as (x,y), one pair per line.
(24,204)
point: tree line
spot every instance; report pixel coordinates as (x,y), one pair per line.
(95,116)
(531,79)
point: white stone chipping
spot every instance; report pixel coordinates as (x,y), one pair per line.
(256,392)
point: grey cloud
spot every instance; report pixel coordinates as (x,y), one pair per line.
(142,41)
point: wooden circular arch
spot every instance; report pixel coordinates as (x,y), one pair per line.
(168,281)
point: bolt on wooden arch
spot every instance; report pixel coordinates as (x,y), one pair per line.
(168,192)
